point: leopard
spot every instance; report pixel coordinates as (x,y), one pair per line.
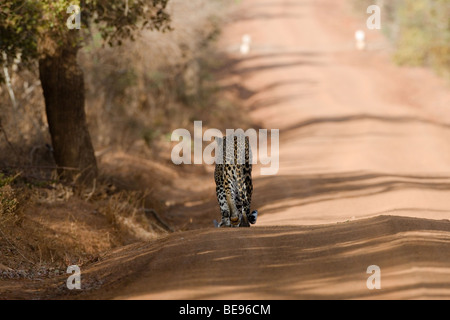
(233,178)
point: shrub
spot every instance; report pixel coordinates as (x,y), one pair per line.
(419,31)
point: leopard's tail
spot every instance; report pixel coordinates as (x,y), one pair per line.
(232,199)
(234,217)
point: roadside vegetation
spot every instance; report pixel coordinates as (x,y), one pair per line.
(419,31)
(136,95)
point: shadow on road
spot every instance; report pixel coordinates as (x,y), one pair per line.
(306,189)
(316,262)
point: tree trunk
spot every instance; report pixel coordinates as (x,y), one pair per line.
(63,86)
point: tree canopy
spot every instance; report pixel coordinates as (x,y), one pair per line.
(28,27)
(42,31)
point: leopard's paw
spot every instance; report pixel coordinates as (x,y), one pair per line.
(253,216)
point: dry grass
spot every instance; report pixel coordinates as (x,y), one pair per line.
(53,225)
(126,211)
(147,88)
(135,96)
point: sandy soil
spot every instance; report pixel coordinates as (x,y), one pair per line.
(286,262)
(364,175)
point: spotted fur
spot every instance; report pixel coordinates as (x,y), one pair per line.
(233,176)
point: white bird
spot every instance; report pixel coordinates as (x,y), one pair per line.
(245,45)
(360,38)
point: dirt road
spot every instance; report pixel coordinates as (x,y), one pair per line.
(364,174)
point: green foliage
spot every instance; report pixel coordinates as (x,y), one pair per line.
(8,200)
(26,26)
(119,19)
(419,30)
(19,28)
(6,180)
(424,34)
